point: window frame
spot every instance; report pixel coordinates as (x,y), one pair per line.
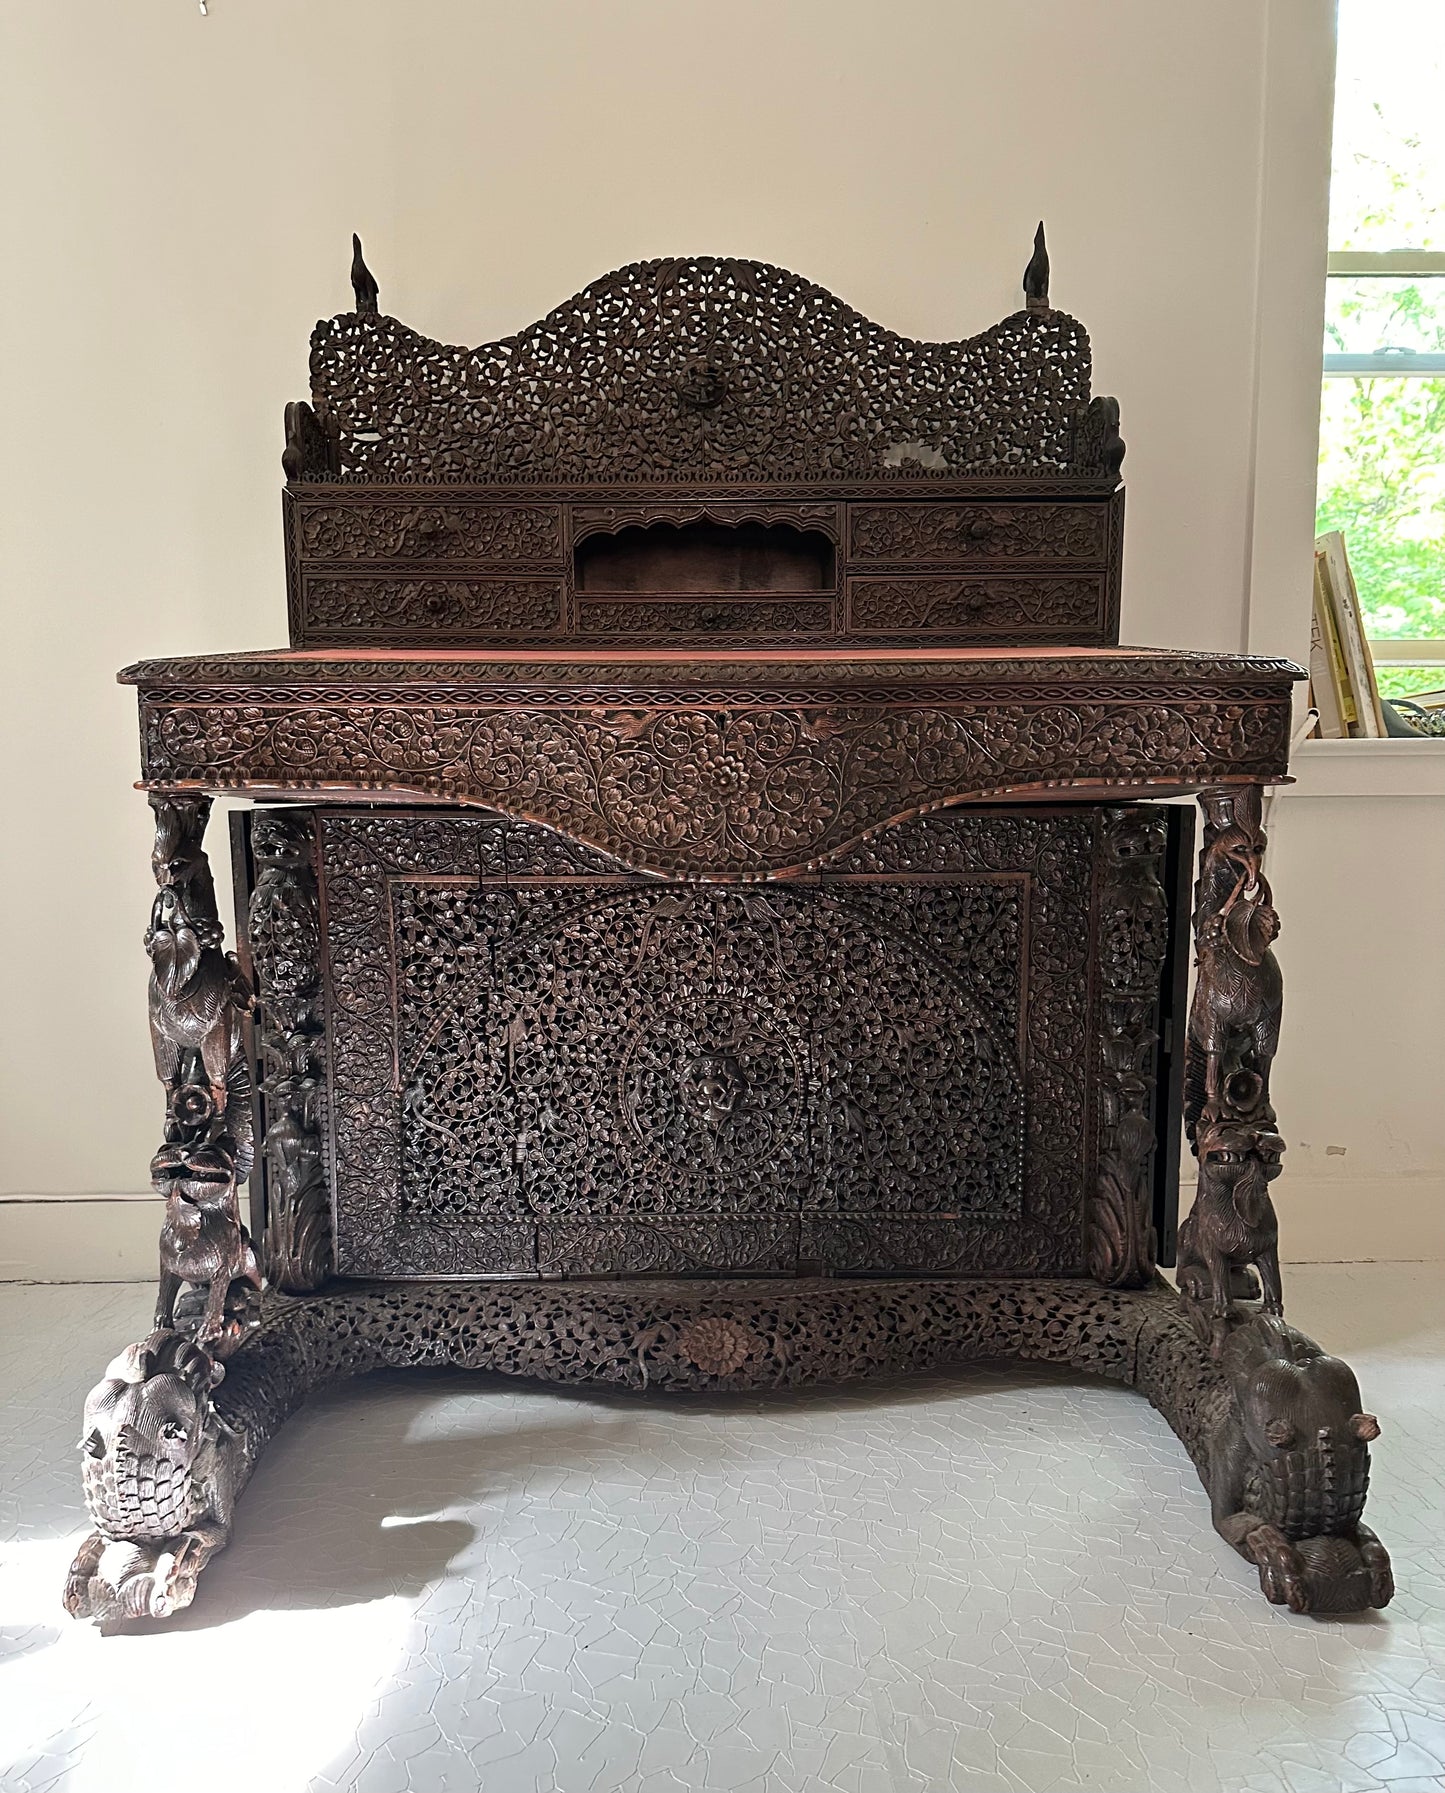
(1398,364)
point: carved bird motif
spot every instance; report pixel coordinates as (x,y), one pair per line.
(666,908)
(1036,274)
(363,281)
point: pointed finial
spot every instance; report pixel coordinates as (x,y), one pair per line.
(363,281)
(1036,274)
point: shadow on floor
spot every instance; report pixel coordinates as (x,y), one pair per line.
(322,1527)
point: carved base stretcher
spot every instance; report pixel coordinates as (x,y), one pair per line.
(789,989)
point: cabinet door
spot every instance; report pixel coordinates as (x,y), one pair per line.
(542,1064)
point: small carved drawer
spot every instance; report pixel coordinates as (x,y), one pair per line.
(1074,534)
(705,619)
(484,533)
(340,609)
(981,607)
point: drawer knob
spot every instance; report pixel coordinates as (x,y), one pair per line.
(980,529)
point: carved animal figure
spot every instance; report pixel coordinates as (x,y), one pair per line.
(203,1240)
(1288,1469)
(1234,1019)
(1232,1224)
(198,995)
(160,1468)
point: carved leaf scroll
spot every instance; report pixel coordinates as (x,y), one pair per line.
(643,1078)
(699,368)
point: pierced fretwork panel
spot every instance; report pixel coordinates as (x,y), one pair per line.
(591,1072)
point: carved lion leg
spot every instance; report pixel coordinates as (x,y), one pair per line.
(166,1296)
(154,1479)
(1267,1263)
(1287,1463)
(1233,1018)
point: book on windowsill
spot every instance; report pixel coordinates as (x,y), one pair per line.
(1341,608)
(1329,681)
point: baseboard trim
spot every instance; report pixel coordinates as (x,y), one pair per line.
(1360,1220)
(79,1238)
(112,1238)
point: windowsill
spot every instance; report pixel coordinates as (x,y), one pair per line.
(1391,768)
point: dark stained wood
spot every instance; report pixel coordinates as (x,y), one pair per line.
(715,848)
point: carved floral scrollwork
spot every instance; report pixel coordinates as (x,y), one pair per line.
(702,368)
(1133,941)
(738,789)
(924,532)
(285,934)
(361,608)
(648,1078)
(716,618)
(976,606)
(430,532)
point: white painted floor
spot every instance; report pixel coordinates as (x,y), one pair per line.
(996,1579)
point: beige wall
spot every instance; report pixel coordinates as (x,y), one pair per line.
(182,192)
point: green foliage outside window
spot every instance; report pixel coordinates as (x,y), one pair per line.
(1382,439)
(1382,482)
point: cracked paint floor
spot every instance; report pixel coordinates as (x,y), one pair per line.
(993,1579)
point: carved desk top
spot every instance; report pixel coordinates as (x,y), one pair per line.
(707,571)
(721,764)
(710,575)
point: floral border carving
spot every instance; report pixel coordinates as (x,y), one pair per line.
(703,791)
(362,854)
(703,368)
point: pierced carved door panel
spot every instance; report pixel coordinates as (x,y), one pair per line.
(542,1064)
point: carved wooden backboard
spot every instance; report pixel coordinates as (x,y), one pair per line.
(703,450)
(543,1064)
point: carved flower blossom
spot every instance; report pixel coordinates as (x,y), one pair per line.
(716,1345)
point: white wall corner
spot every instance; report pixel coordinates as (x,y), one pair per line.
(1296,117)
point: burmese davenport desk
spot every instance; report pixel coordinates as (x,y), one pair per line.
(707,920)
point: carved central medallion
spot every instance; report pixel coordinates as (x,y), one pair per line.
(687,1102)
(712,1086)
(702,385)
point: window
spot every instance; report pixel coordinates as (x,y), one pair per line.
(1382,421)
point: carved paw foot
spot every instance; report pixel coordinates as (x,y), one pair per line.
(1322,1575)
(116,1579)
(1283,1579)
(1376,1561)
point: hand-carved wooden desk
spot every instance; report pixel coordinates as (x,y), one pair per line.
(710,923)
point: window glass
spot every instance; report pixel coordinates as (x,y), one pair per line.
(1389,157)
(1365,315)
(1382,437)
